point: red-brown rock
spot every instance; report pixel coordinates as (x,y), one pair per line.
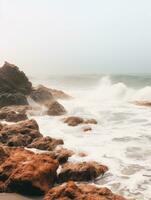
(19,134)
(45,143)
(142,103)
(84,171)
(63,154)
(55,109)
(26,172)
(72,191)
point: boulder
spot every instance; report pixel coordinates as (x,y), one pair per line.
(45,143)
(55,109)
(43,96)
(63,154)
(27,173)
(14,86)
(74,121)
(74,191)
(19,134)
(12,80)
(84,171)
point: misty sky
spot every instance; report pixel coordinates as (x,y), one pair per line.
(76,36)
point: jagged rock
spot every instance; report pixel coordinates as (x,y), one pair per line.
(14,85)
(43,96)
(19,134)
(73,191)
(84,171)
(63,154)
(45,143)
(28,173)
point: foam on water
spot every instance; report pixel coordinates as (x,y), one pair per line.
(121,139)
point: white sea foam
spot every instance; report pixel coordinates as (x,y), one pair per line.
(121,139)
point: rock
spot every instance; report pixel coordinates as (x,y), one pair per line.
(73,121)
(19,134)
(82,154)
(142,103)
(14,85)
(58,94)
(55,109)
(84,171)
(8,99)
(12,116)
(63,154)
(45,143)
(85,129)
(90,121)
(43,96)
(26,172)
(73,191)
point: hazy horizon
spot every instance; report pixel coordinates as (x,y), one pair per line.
(76,37)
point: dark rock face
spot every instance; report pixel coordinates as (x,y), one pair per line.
(85,171)
(25,172)
(81,192)
(20,134)
(13,80)
(14,85)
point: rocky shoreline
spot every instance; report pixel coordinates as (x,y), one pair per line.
(47,170)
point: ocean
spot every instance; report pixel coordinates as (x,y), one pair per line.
(121,139)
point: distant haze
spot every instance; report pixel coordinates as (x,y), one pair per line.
(76,36)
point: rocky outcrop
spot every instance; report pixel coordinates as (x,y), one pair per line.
(14,85)
(45,143)
(81,192)
(14,113)
(85,171)
(19,134)
(43,96)
(63,154)
(25,172)
(59,94)
(74,121)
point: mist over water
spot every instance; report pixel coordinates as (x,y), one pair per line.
(121,139)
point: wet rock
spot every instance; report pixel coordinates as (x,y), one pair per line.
(85,129)
(19,134)
(142,103)
(14,85)
(7,99)
(81,192)
(84,171)
(26,172)
(73,121)
(45,143)
(90,121)
(43,96)
(82,154)
(58,94)
(55,109)
(12,116)
(63,154)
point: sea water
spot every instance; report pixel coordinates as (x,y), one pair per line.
(121,139)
